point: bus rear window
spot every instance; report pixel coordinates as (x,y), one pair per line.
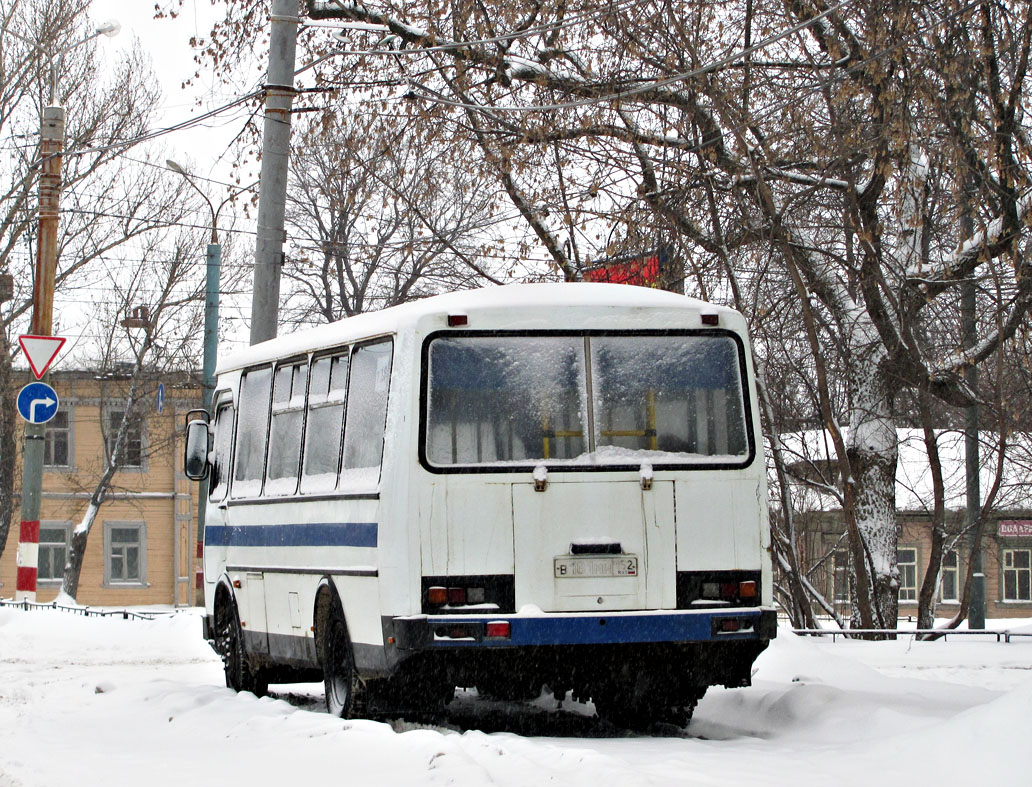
(598,400)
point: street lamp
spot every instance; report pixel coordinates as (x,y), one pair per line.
(211,283)
(211,314)
(51,144)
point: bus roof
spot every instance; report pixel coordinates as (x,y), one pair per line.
(580,295)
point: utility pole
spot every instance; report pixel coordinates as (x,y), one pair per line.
(976,603)
(272,191)
(51,146)
(50,149)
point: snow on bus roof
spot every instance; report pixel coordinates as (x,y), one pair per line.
(564,295)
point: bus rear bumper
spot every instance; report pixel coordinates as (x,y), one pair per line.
(446,632)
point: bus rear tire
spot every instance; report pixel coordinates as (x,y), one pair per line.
(344,691)
(229,642)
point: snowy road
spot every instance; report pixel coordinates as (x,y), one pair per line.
(89,701)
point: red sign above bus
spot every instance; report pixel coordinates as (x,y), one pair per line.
(646,270)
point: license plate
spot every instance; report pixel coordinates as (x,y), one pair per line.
(575,567)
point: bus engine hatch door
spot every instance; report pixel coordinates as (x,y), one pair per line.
(594,546)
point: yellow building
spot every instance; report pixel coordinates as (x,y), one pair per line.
(142,547)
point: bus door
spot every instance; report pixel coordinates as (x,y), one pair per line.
(594,546)
(215,544)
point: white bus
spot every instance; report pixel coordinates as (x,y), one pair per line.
(550,484)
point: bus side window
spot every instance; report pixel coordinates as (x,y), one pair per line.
(366,416)
(288,409)
(326,396)
(252,431)
(222,448)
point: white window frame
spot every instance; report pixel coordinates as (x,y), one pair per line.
(111,433)
(840,576)
(1005,569)
(141,528)
(53,525)
(49,435)
(955,571)
(907,590)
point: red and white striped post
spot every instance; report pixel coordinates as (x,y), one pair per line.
(28,560)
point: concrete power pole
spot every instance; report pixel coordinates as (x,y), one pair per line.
(272,191)
(51,147)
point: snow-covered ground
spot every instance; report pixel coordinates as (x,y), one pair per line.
(105,701)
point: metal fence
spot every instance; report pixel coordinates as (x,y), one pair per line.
(1002,635)
(125,614)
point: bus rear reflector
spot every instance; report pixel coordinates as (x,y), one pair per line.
(500,629)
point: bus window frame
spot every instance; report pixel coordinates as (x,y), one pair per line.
(390,339)
(271,366)
(222,399)
(294,360)
(701,465)
(344,350)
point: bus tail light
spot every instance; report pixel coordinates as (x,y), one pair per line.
(702,589)
(498,629)
(470,594)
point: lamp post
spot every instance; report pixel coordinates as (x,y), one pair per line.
(211,316)
(50,149)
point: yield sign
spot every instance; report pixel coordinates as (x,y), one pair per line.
(41,351)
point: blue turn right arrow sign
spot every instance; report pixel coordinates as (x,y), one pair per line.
(37,403)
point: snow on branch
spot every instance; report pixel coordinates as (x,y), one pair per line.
(955,265)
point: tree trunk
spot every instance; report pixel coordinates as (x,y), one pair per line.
(873,451)
(926,597)
(77,550)
(8,442)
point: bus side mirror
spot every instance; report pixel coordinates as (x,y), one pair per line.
(195,460)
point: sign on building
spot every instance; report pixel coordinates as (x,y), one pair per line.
(1016,528)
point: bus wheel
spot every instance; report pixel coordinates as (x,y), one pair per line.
(344,692)
(229,643)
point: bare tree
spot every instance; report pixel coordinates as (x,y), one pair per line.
(381,214)
(104,205)
(132,355)
(866,158)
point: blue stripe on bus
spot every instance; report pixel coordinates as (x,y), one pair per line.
(601,629)
(324,534)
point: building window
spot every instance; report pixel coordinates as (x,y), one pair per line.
(841,575)
(1017,575)
(53,551)
(950,584)
(125,549)
(132,448)
(57,441)
(906,560)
